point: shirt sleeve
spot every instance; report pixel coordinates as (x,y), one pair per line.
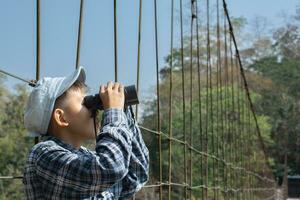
(91,173)
(138,173)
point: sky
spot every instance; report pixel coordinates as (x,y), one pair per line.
(59,24)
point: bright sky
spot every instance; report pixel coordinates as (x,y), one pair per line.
(59,23)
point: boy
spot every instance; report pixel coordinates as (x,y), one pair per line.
(59,167)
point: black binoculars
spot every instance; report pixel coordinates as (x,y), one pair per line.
(94,102)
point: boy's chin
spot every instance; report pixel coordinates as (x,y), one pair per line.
(88,137)
(91,136)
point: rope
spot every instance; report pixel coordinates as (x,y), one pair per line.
(193,16)
(115,41)
(79,34)
(158,98)
(199,97)
(138,59)
(233,134)
(227,128)
(170,102)
(31,82)
(38,44)
(138,56)
(218,100)
(183,96)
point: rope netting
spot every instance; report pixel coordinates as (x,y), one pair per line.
(215,150)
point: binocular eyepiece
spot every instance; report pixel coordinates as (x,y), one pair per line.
(94,102)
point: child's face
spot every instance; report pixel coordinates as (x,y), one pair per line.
(81,124)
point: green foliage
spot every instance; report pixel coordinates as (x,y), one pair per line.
(14,143)
(280,101)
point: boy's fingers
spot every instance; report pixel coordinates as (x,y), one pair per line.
(121,88)
(102,89)
(116,86)
(109,85)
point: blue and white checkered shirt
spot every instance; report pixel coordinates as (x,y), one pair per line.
(116,170)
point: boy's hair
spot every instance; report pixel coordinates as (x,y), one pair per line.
(76,86)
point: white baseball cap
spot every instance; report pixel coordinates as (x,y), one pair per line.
(41,100)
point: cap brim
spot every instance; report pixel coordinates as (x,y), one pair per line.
(81,74)
(78,74)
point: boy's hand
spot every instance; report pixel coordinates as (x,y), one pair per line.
(112,95)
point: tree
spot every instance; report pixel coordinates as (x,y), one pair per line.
(14,143)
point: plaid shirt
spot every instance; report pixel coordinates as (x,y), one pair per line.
(116,170)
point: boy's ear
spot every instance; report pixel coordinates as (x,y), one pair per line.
(59,117)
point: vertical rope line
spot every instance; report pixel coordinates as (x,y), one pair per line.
(248,136)
(243,138)
(183,97)
(244,135)
(244,126)
(233,133)
(218,95)
(211,98)
(158,100)
(138,56)
(217,131)
(230,120)
(191,93)
(38,44)
(249,139)
(79,35)
(115,40)
(38,40)
(251,144)
(207,101)
(248,143)
(226,105)
(222,106)
(240,134)
(230,109)
(138,60)
(199,98)
(170,103)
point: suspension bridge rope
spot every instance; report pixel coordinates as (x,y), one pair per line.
(38,44)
